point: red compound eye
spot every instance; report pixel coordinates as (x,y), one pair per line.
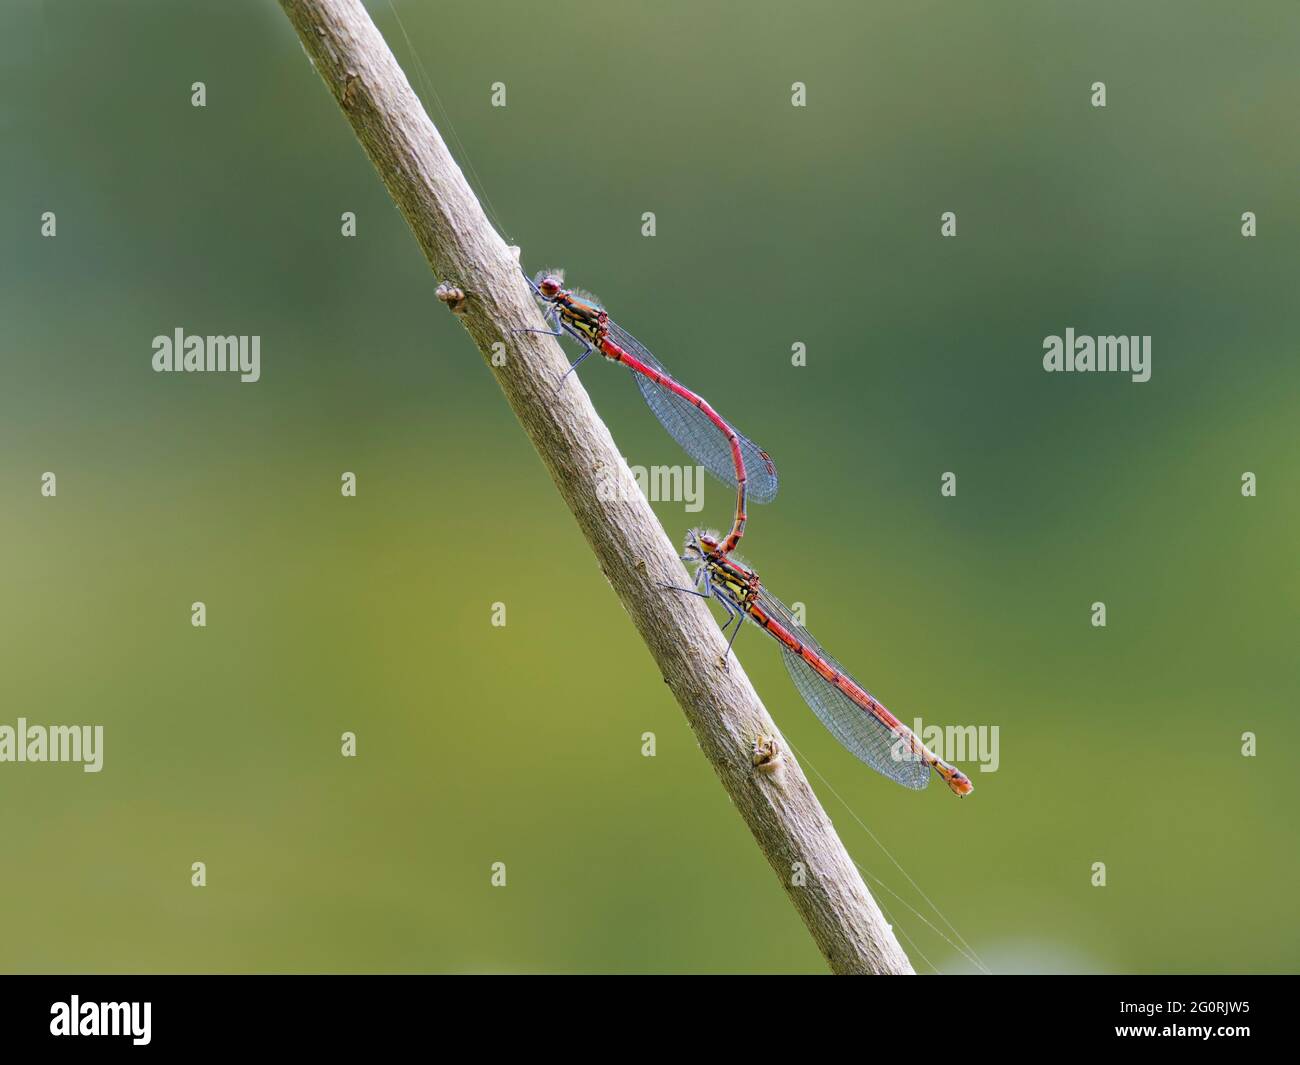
(549,287)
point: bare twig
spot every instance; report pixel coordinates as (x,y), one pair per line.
(485,288)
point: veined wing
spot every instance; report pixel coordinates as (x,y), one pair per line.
(691,428)
(858,730)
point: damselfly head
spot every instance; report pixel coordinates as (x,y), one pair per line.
(699,542)
(550,284)
(691,548)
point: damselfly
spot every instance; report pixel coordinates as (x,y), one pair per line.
(722,450)
(851,713)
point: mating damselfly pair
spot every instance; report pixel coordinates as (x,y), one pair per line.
(853,716)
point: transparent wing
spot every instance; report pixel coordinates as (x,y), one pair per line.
(858,730)
(691,428)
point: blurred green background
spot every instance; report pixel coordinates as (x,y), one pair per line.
(775,225)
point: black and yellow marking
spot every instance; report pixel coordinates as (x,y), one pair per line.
(591,322)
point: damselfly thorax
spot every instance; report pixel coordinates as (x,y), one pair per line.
(740,588)
(585,318)
(724,572)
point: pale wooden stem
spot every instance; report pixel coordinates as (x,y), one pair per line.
(630,545)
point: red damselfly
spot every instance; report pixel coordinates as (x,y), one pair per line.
(722,450)
(851,713)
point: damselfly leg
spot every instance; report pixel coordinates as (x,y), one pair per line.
(564,330)
(700,575)
(740,624)
(574,365)
(733,613)
(688,591)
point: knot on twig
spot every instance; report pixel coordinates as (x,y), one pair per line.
(767,758)
(452,296)
(350,85)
